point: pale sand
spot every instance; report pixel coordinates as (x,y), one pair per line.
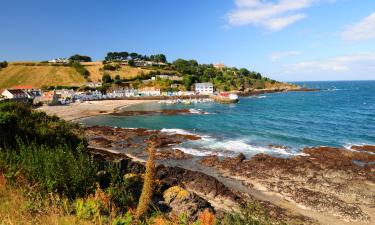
(86,109)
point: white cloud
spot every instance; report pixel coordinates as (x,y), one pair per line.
(269,14)
(363,30)
(355,63)
(280,55)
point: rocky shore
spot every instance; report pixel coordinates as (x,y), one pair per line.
(323,186)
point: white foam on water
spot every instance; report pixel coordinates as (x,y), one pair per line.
(176,131)
(242,146)
(197,152)
(195,111)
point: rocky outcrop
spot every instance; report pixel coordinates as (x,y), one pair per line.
(183,202)
(330,180)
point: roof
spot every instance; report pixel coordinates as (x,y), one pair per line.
(16,91)
(23,87)
(204,84)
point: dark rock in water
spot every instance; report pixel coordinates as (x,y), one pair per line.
(182,201)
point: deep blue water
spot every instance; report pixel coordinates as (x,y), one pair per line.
(343,114)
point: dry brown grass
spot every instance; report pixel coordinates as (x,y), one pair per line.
(125,71)
(14,210)
(19,73)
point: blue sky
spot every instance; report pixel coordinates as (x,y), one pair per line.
(287,40)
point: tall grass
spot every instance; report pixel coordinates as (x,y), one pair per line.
(55,170)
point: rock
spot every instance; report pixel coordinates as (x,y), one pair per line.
(175,154)
(210,161)
(182,201)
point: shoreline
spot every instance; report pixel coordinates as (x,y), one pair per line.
(325,185)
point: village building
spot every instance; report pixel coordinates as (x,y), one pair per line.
(50,98)
(93,84)
(15,94)
(204,88)
(149,91)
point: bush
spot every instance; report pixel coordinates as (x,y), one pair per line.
(111,67)
(81,69)
(18,120)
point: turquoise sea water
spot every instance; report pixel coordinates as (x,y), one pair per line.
(341,115)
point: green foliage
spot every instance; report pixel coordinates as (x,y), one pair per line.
(252,214)
(18,120)
(118,79)
(126,219)
(131,63)
(90,208)
(106,79)
(80,58)
(124,191)
(55,170)
(80,69)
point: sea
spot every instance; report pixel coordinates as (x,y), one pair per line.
(342,114)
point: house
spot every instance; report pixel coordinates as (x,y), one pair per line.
(59,60)
(30,91)
(204,88)
(219,65)
(93,84)
(50,98)
(15,94)
(149,91)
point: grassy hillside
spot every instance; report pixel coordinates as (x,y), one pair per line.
(37,75)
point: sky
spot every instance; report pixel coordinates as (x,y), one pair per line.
(288,40)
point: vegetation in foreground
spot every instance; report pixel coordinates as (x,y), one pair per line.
(48,177)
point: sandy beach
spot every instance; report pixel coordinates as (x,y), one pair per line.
(80,110)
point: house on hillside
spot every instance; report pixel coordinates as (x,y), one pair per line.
(219,65)
(204,88)
(93,84)
(15,94)
(59,60)
(149,91)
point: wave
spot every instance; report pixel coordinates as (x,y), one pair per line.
(176,131)
(199,152)
(234,147)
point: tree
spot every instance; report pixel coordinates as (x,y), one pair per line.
(131,63)
(3,64)
(134,55)
(80,58)
(106,79)
(118,79)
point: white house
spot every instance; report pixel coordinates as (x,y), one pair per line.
(16,94)
(93,84)
(59,60)
(149,91)
(204,88)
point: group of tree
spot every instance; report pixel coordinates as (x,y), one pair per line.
(3,64)
(223,79)
(122,56)
(80,58)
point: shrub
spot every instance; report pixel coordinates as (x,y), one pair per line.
(81,69)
